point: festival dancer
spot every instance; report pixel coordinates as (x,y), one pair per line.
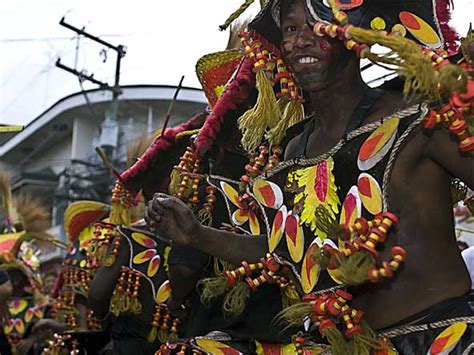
(23,225)
(363,193)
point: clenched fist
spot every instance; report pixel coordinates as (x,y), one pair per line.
(172,219)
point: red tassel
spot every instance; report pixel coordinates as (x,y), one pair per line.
(451,38)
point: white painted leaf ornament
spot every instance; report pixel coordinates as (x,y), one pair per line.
(370,193)
(278,228)
(267,193)
(448,339)
(310,268)
(378,144)
(294,237)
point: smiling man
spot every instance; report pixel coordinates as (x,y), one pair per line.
(362,197)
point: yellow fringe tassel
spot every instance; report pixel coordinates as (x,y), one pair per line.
(293,316)
(204,217)
(406,56)
(220,266)
(236,298)
(120,214)
(290,296)
(339,345)
(236,14)
(365,342)
(212,287)
(152,334)
(264,115)
(163,335)
(354,269)
(292,113)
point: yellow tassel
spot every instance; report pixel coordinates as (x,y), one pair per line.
(236,14)
(110,260)
(120,214)
(293,316)
(336,339)
(172,337)
(354,269)
(135,306)
(365,342)
(115,304)
(452,78)
(264,115)
(204,217)
(152,335)
(212,287)
(290,296)
(292,113)
(406,56)
(236,299)
(101,251)
(163,335)
(220,266)
(175,183)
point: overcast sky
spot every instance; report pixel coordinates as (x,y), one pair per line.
(164,39)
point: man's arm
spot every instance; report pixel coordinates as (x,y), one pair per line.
(6,291)
(103,285)
(175,221)
(443,148)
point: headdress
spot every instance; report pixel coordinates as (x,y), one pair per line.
(420,42)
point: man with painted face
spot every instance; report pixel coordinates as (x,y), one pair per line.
(383,176)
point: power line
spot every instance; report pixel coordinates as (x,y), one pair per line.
(44,39)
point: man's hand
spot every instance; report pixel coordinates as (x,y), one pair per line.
(24,345)
(172,219)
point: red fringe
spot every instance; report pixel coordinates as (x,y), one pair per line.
(160,145)
(235,94)
(451,38)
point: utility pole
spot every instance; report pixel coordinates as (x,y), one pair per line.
(120,50)
(109,132)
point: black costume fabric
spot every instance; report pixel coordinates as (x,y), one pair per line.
(420,342)
(129,336)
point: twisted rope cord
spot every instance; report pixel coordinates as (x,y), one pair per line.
(468,349)
(236,14)
(370,127)
(394,153)
(423,327)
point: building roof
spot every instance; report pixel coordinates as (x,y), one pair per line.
(100,96)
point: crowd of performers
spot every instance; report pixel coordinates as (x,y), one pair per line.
(302,213)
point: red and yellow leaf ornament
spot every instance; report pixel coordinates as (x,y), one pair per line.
(16,306)
(370,193)
(244,213)
(420,29)
(144,240)
(278,228)
(318,188)
(163,293)
(310,269)
(294,237)
(448,339)
(378,144)
(216,348)
(351,207)
(153,266)
(267,193)
(144,256)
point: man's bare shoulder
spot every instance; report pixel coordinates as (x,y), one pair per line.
(389,103)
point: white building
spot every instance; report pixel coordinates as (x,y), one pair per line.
(54,157)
